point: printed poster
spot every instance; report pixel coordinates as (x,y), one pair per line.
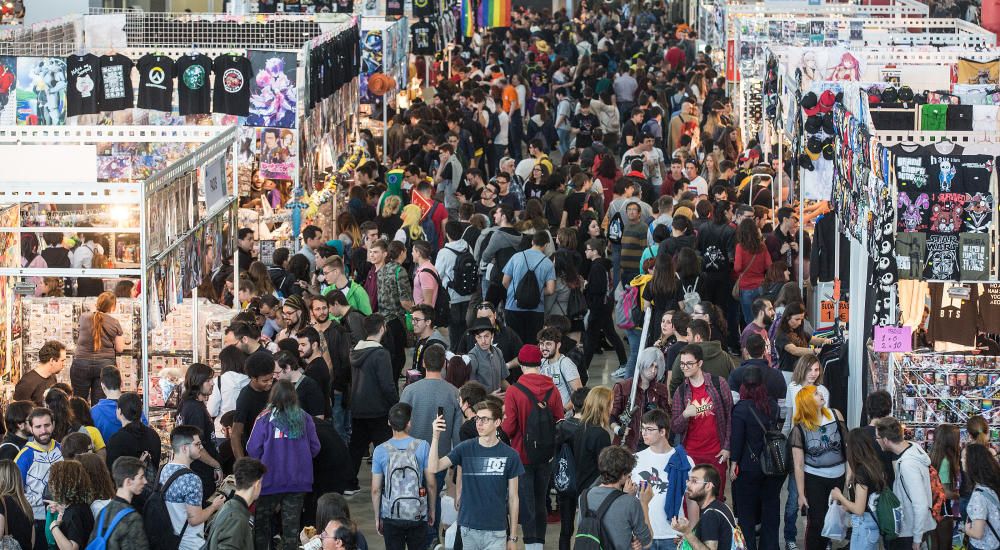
(8,90)
(278,152)
(372,51)
(273,95)
(41,91)
(978,72)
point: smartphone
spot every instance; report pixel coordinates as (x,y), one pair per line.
(441,411)
(804,511)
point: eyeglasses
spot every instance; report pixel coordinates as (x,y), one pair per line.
(417,320)
(484,419)
(688,364)
(650,429)
(693,480)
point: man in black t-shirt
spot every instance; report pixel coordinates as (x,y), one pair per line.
(717,520)
(310,396)
(261,369)
(584,123)
(631,130)
(32,386)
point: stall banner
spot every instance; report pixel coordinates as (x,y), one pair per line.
(8,90)
(825,64)
(977,72)
(41,91)
(278,152)
(273,94)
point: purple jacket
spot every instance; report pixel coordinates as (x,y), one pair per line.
(289,461)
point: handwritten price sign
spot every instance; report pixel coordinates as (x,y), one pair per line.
(893,339)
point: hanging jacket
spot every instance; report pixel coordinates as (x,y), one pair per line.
(677,476)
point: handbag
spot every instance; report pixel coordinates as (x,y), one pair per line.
(773,458)
(7,541)
(736,285)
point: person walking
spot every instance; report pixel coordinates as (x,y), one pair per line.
(983,511)
(182,489)
(119,524)
(35,461)
(752,261)
(912,485)
(626,520)
(600,306)
(232,528)
(862,497)
(525,310)
(373,391)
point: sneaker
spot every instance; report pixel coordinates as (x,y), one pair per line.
(791,546)
(352,492)
(622,372)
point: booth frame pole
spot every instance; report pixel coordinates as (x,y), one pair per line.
(856,334)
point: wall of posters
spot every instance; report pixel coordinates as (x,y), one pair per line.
(41,91)
(273,94)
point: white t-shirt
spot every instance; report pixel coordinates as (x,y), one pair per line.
(652,467)
(564,112)
(699,185)
(562,372)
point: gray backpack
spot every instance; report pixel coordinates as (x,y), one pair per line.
(403,495)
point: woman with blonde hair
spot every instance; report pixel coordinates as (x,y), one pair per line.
(17,518)
(100,338)
(71,494)
(410,230)
(819,458)
(388,219)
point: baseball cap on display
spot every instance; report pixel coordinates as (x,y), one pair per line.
(810,104)
(889,95)
(806,162)
(813,124)
(826,101)
(905,94)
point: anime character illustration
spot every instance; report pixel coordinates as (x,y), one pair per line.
(946,175)
(809,67)
(946,218)
(273,98)
(911,212)
(847,69)
(8,83)
(41,91)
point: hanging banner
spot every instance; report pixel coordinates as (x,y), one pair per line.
(41,91)
(273,94)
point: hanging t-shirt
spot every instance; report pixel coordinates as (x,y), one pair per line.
(953,315)
(943,172)
(959,118)
(910,163)
(84,78)
(910,254)
(913,212)
(193,90)
(116,83)
(422,34)
(942,257)
(946,212)
(703,433)
(976,171)
(933,117)
(973,256)
(232,85)
(977,215)
(424,8)
(989,307)
(984,118)
(156,82)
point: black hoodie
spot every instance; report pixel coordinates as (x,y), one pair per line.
(373,391)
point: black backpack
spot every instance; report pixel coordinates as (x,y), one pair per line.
(616,228)
(590,531)
(155,516)
(442,304)
(500,259)
(465,280)
(528,294)
(539,429)
(774,456)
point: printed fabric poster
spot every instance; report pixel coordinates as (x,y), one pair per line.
(41,91)
(8,90)
(978,214)
(273,95)
(278,150)
(372,51)
(978,72)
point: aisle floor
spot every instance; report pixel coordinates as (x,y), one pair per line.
(600,374)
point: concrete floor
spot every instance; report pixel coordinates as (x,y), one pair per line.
(361,508)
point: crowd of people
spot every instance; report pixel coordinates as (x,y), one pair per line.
(575,180)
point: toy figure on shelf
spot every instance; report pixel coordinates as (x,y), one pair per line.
(357,158)
(297,206)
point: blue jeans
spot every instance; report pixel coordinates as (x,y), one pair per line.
(746,302)
(341,417)
(864,532)
(565,138)
(616,263)
(663,544)
(633,335)
(791,510)
(433,530)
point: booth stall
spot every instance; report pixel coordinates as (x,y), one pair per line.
(385,47)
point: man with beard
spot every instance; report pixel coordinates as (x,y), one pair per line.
(34,461)
(295,316)
(717,520)
(316,366)
(763,316)
(425,333)
(561,369)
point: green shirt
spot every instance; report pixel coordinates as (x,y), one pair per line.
(933,117)
(356,295)
(945,472)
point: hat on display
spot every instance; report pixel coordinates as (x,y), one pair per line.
(905,94)
(828,124)
(828,151)
(481,324)
(813,124)
(529,356)
(889,95)
(874,99)
(542,46)
(826,101)
(806,162)
(839,97)
(814,146)
(809,104)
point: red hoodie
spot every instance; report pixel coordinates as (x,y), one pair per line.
(516,406)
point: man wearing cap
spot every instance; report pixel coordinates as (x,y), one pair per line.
(485,360)
(504,338)
(531,388)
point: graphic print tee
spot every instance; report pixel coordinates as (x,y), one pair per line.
(192,84)
(422,33)
(84,75)
(116,83)
(232,85)
(156,82)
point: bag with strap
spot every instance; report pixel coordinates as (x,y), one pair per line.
(564,468)
(7,541)
(736,285)
(442,303)
(465,280)
(888,514)
(539,429)
(739,542)
(101,535)
(938,498)
(430,229)
(773,458)
(403,495)
(590,531)
(616,228)
(155,516)
(628,309)
(576,306)
(691,296)
(528,294)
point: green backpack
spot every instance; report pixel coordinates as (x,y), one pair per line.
(888,514)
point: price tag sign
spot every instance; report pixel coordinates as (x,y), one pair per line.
(893,339)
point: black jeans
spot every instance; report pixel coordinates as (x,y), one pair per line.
(818,497)
(526,324)
(532,488)
(457,324)
(365,432)
(901,543)
(85,377)
(600,325)
(395,342)
(399,534)
(757,500)
(567,519)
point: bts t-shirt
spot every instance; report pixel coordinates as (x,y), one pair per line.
(192,84)
(84,77)
(156,82)
(116,83)
(232,85)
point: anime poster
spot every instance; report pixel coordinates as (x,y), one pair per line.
(278,151)
(117,167)
(273,93)
(41,91)
(8,90)
(371,61)
(820,64)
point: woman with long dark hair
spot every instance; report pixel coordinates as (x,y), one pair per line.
(57,401)
(192,411)
(868,483)
(946,459)
(688,266)
(757,496)
(775,278)
(752,261)
(983,513)
(226,388)
(288,459)
(17,516)
(791,339)
(100,338)
(593,436)
(599,304)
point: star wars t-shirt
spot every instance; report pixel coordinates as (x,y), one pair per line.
(232,85)
(116,83)
(423,38)
(84,75)
(192,84)
(156,82)
(973,256)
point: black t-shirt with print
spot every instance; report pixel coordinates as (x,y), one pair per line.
(193,90)
(716,525)
(586,123)
(156,82)
(943,172)
(422,34)
(232,85)
(976,171)
(116,83)
(911,166)
(84,78)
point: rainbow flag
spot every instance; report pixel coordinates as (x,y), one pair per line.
(468,20)
(494,13)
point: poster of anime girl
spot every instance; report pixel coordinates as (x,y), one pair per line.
(846,68)
(8,90)
(41,91)
(273,97)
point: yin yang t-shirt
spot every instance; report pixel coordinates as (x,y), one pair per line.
(156,82)
(84,77)
(193,89)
